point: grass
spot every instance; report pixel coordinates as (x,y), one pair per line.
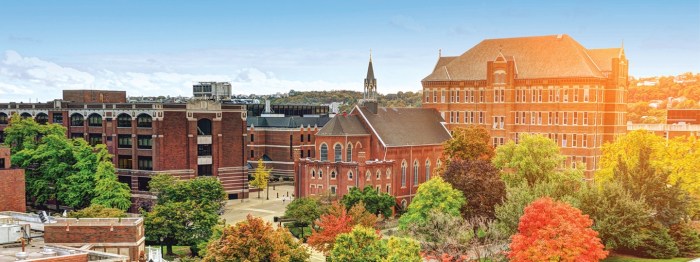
(626,258)
(178,250)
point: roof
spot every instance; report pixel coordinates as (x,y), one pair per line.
(370,70)
(343,125)
(287,122)
(406,126)
(552,56)
(603,57)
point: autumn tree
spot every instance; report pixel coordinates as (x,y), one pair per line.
(255,240)
(304,210)
(441,234)
(480,183)
(375,202)
(468,143)
(330,225)
(360,215)
(535,158)
(403,250)
(261,177)
(551,230)
(436,195)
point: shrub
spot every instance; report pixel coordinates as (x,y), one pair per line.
(687,239)
(657,243)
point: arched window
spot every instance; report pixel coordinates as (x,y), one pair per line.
(349,175)
(415,173)
(144,121)
(404,204)
(42,118)
(204,127)
(76,120)
(123,120)
(25,115)
(348,154)
(439,163)
(3,119)
(313,173)
(403,173)
(320,174)
(324,152)
(333,174)
(338,149)
(95,120)
(368,175)
(379,174)
(427,169)
(388,173)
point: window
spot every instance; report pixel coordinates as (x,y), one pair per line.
(3,119)
(379,175)
(576,94)
(324,152)
(575,115)
(308,137)
(456,95)
(563,140)
(332,190)
(427,170)
(124,162)
(252,137)
(308,153)
(517,117)
(539,94)
(556,118)
(585,118)
(95,139)
(349,175)
(550,92)
(338,150)
(320,173)
(25,115)
(123,120)
(566,95)
(348,154)
(204,170)
(388,173)
(124,141)
(482,95)
(202,150)
(434,96)
(313,174)
(427,96)
(76,120)
(481,117)
(517,95)
(146,142)
(565,118)
(301,138)
(368,175)
(333,175)
(57,118)
(204,127)
(532,118)
(442,96)
(143,183)
(539,118)
(549,118)
(533,94)
(586,94)
(252,153)
(388,189)
(125,180)
(574,138)
(415,173)
(403,174)
(439,163)
(95,120)
(2,137)
(145,163)
(471,95)
(302,153)
(556,98)
(584,143)
(42,118)
(144,121)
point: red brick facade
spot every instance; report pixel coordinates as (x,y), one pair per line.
(547,85)
(278,145)
(111,235)
(94,96)
(12,185)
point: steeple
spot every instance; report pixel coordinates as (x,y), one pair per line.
(370,81)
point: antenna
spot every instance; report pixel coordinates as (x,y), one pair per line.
(439,52)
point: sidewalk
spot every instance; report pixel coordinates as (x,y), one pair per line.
(237,210)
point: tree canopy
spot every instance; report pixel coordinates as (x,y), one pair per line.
(480,183)
(97,211)
(535,158)
(261,176)
(468,143)
(436,195)
(375,202)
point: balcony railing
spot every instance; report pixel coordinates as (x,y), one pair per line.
(664,127)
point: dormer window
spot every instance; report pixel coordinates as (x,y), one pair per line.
(499,77)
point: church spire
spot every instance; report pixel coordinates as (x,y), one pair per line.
(370,81)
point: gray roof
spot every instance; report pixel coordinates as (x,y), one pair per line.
(343,125)
(407,126)
(287,122)
(535,57)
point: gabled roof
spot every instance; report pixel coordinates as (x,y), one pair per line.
(551,56)
(343,125)
(406,126)
(603,57)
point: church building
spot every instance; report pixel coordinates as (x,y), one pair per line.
(391,149)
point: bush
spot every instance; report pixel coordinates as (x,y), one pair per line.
(296,230)
(657,243)
(687,239)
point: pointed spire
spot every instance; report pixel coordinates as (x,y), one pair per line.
(370,55)
(370,81)
(623,44)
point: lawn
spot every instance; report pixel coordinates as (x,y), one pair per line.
(178,250)
(626,258)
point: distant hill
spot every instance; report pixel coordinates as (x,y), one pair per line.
(347,98)
(649,97)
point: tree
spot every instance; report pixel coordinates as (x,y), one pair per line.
(25,133)
(261,176)
(305,211)
(480,183)
(403,250)
(441,234)
(375,202)
(360,216)
(626,149)
(330,225)
(552,230)
(97,211)
(255,240)
(109,192)
(436,195)
(182,216)
(468,143)
(534,159)
(360,244)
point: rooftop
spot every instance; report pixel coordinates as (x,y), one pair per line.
(38,250)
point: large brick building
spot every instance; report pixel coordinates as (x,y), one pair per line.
(391,149)
(549,85)
(187,140)
(12,184)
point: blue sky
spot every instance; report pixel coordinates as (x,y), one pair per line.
(162,47)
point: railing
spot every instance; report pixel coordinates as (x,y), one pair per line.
(155,255)
(665,127)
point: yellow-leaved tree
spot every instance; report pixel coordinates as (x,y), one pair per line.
(261,176)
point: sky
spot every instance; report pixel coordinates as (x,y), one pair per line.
(264,47)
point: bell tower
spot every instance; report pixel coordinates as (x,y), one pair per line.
(370,81)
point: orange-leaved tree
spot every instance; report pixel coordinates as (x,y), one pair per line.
(555,231)
(330,225)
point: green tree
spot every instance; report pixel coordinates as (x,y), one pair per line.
(97,211)
(261,176)
(361,244)
(109,192)
(305,211)
(375,202)
(534,159)
(480,183)
(403,250)
(24,133)
(468,143)
(436,195)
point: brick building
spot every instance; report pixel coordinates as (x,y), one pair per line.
(121,236)
(12,184)
(273,135)
(679,122)
(187,140)
(550,85)
(391,149)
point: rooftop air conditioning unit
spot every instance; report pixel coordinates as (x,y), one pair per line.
(10,233)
